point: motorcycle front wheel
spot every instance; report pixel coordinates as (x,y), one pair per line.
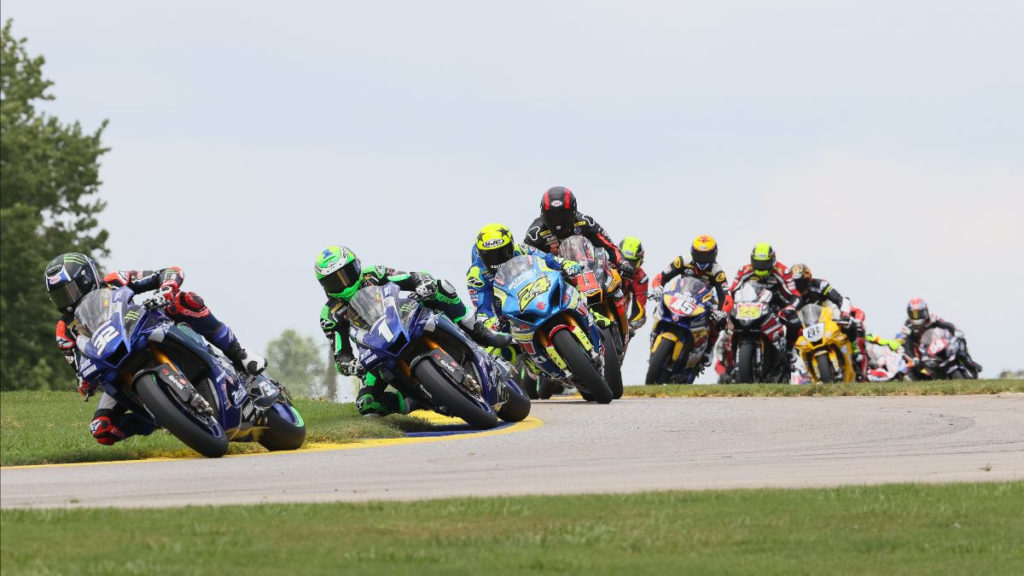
(285,428)
(612,367)
(823,364)
(581,366)
(200,433)
(745,361)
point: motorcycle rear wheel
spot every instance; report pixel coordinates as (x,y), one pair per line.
(582,368)
(444,393)
(170,413)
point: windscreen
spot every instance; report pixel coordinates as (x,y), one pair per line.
(513,269)
(747,293)
(366,306)
(810,314)
(932,334)
(577,248)
(94,310)
(692,286)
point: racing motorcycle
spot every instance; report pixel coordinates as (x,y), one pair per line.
(758,338)
(165,372)
(940,357)
(823,346)
(885,364)
(681,331)
(550,323)
(601,285)
(426,356)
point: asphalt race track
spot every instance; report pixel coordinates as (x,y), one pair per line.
(630,445)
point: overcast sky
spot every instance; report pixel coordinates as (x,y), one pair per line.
(882,143)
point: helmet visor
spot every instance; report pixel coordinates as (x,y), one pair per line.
(762,267)
(66,297)
(497,256)
(336,282)
(559,221)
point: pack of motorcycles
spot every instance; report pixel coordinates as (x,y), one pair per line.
(568,334)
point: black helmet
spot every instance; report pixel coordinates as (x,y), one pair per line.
(558,210)
(69,277)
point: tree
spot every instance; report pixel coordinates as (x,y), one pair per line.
(296,362)
(49,176)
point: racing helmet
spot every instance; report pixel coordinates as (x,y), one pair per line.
(632,250)
(339,272)
(69,277)
(762,259)
(704,252)
(917,313)
(802,276)
(495,245)
(558,211)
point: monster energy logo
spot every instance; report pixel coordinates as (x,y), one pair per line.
(132,315)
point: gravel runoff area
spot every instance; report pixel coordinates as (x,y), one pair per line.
(627,446)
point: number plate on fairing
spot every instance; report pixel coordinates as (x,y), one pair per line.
(814,332)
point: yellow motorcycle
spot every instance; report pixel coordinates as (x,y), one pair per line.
(823,346)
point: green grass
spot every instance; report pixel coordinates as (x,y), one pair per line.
(50,427)
(893,529)
(937,388)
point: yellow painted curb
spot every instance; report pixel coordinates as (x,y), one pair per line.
(528,424)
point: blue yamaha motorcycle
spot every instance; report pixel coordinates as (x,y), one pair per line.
(550,323)
(680,334)
(426,356)
(166,373)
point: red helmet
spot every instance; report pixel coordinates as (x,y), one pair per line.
(917,312)
(558,210)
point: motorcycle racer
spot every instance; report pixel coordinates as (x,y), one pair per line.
(70,276)
(703,265)
(633,251)
(494,246)
(559,220)
(817,290)
(765,270)
(919,319)
(341,275)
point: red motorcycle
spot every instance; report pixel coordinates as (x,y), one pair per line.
(755,348)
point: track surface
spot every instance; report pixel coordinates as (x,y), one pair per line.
(630,445)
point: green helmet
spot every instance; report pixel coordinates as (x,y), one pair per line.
(633,250)
(762,259)
(339,272)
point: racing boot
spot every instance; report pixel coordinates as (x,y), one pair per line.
(246,361)
(601,320)
(483,335)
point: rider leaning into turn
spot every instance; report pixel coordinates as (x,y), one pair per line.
(341,275)
(703,265)
(816,291)
(559,220)
(69,277)
(495,246)
(919,319)
(633,251)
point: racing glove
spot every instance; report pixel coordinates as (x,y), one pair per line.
(656,292)
(627,269)
(164,296)
(86,389)
(426,289)
(346,364)
(571,268)
(104,431)
(718,316)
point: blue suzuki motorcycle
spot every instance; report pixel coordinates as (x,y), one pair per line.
(426,356)
(166,373)
(550,323)
(680,334)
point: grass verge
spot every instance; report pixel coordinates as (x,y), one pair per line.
(936,388)
(893,529)
(51,427)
